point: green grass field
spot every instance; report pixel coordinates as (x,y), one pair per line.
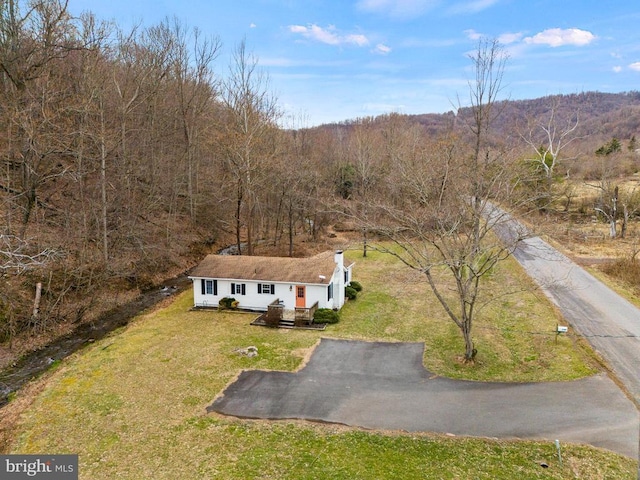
(133,405)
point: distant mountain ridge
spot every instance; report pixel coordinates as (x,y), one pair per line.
(601,116)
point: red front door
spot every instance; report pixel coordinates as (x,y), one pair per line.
(300,296)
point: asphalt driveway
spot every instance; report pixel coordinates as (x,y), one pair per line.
(385,386)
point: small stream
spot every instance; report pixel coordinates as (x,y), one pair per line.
(30,366)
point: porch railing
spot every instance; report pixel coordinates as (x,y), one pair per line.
(304,316)
(275,313)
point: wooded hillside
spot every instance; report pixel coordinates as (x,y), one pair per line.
(125,158)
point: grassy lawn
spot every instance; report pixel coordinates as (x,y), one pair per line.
(514,332)
(133,405)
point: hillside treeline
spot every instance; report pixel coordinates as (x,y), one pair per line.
(127,154)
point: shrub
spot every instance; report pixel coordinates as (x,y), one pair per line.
(625,269)
(326,315)
(228,302)
(357,286)
(350,293)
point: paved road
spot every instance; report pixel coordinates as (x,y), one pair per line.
(609,322)
(385,386)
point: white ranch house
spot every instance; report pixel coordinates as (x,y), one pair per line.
(257,282)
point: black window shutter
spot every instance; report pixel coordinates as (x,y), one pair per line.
(233,289)
(215,287)
(244,289)
(259,288)
(273,288)
(203,288)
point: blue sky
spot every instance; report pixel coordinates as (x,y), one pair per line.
(336,60)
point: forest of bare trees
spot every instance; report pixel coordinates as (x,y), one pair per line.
(122,152)
(125,155)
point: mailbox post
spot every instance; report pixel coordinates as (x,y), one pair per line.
(559,330)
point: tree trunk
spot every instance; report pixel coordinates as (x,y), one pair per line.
(278,227)
(290,227)
(238,222)
(250,230)
(30,195)
(614,214)
(625,220)
(469,351)
(364,242)
(103,187)
(36,301)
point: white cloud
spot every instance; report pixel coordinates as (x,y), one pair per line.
(556,37)
(504,39)
(397,8)
(357,39)
(328,35)
(635,66)
(617,69)
(314,32)
(473,35)
(508,38)
(473,6)
(382,49)
(252,25)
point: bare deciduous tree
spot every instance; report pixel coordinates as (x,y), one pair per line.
(250,137)
(548,138)
(610,198)
(16,256)
(365,154)
(32,40)
(191,69)
(441,218)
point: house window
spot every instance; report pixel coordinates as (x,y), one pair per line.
(267,288)
(209,287)
(330,292)
(238,289)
